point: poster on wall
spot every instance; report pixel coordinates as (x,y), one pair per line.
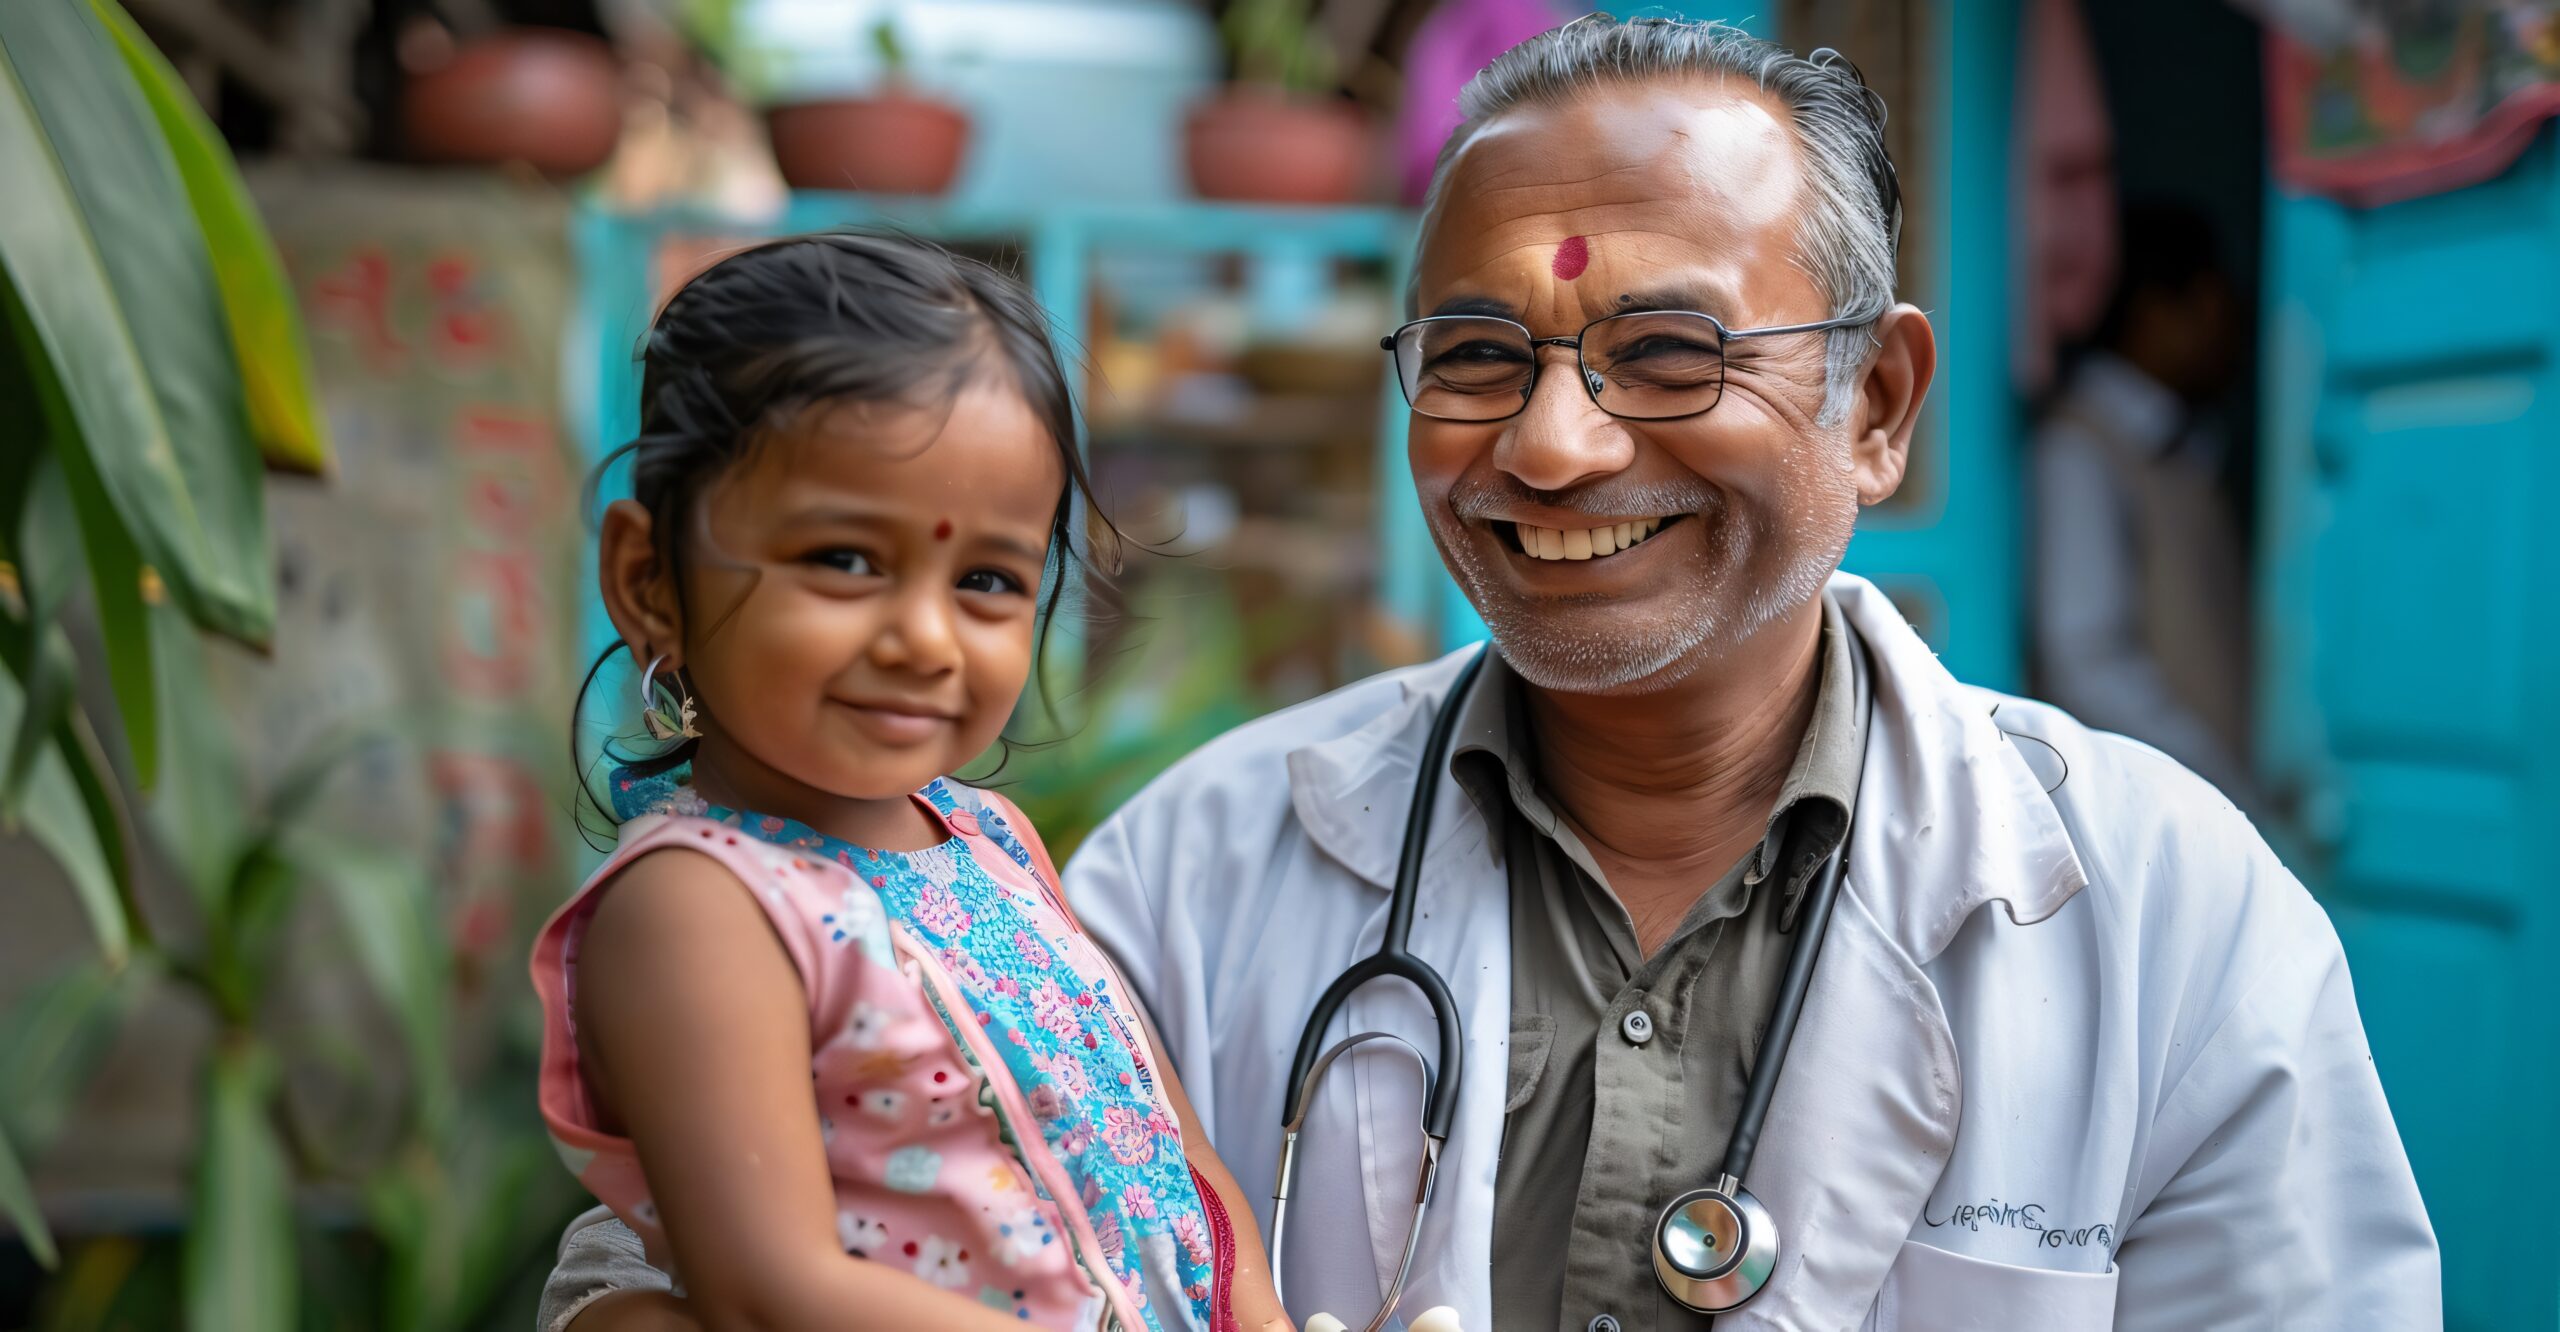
(432,581)
(2372,103)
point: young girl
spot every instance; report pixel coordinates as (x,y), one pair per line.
(822,1030)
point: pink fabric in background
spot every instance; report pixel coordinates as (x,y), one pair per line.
(1459,38)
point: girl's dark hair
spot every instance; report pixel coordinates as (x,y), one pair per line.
(771,331)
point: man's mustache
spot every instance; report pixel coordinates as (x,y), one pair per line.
(1498,495)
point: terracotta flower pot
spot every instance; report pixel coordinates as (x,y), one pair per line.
(892,143)
(1254,146)
(543,96)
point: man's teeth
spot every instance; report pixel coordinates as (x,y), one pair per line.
(1547,543)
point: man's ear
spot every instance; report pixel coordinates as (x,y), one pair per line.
(639,590)
(1889,398)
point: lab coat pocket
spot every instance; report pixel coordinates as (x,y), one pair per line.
(1933,1290)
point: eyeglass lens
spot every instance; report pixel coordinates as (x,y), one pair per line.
(1647,365)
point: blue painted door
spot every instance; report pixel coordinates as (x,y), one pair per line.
(2411,688)
(1947,548)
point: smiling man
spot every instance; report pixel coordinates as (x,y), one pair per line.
(2074,1050)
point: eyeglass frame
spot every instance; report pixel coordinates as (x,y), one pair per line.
(1591,379)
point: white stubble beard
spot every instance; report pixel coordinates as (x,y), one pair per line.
(1816,497)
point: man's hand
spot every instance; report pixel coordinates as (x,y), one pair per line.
(1438,1318)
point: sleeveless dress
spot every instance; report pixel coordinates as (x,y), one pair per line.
(992,1117)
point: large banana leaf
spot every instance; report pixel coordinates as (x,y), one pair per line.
(126,314)
(239,1256)
(266,326)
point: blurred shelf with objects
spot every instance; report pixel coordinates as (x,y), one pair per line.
(1244,439)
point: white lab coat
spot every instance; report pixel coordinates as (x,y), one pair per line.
(2136,1095)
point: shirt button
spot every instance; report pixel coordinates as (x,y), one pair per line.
(1637,1027)
(1604,1323)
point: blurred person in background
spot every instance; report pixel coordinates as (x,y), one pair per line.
(2141,577)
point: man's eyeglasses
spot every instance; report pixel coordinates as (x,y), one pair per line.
(1644,365)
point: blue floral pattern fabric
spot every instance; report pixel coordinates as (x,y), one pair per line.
(1076,1054)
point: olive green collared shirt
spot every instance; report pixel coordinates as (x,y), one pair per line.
(1609,1116)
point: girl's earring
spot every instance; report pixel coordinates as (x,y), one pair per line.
(668,715)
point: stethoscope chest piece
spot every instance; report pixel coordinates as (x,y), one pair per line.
(1714,1248)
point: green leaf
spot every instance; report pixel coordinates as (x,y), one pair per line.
(886,45)
(57,817)
(52,1040)
(103,797)
(116,289)
(239,1270)
(457,1215)
(201,815)
(265,322)
(39,655)
(383,904)
(116,567)
(41,537)
(62,495)
(18,1204)
(42,542)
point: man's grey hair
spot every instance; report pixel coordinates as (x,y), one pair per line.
(1852,223)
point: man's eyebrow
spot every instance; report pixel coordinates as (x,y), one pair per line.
(1476,305)
(1702,299)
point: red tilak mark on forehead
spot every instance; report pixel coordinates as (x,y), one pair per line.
(942,530)
(1572,257)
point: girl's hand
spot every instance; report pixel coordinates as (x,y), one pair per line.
(1257,1307)
(635,1311)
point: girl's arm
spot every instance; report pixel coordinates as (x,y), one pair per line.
(694,1030)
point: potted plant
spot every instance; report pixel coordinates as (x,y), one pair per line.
(895,141)
(1277,134)
(547,97)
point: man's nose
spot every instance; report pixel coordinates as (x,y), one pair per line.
(1562,438)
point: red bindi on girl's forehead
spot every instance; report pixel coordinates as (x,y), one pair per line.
(1571,258)
(942,530)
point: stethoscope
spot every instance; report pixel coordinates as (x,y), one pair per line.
(1714,1248)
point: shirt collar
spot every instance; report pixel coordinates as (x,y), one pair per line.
(1933,755)
(1493,758)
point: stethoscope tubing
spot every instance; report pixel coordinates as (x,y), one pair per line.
(1394,956)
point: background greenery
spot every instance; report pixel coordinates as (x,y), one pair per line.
(152,366)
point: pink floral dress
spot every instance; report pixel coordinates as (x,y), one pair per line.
(992,1116)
